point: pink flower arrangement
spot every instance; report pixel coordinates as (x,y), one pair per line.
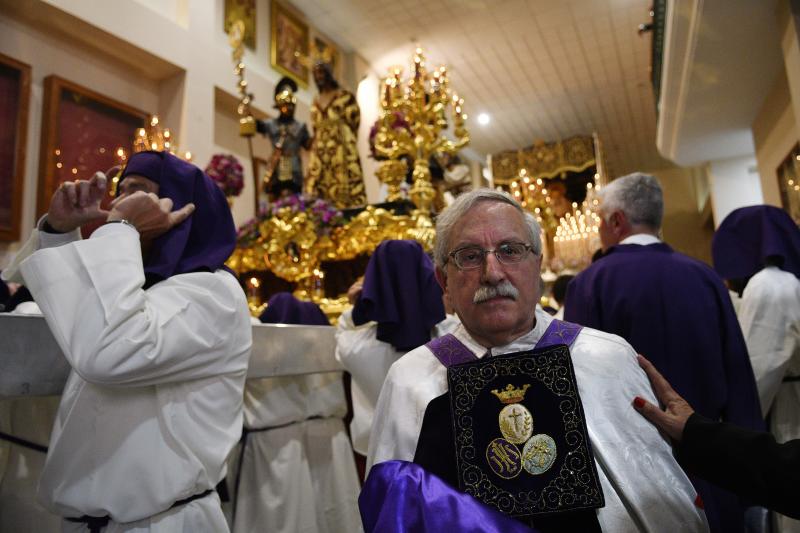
(227,173)
(324,215)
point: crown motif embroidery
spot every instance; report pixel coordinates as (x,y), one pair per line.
(511,394)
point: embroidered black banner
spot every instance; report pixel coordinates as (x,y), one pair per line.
(520,433)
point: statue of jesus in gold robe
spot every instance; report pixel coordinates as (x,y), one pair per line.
(334,169)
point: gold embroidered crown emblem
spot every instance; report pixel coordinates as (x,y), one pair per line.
(511,394)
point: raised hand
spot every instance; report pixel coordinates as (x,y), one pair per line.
(76,203)
(354,291)
(150,215)
(676,411)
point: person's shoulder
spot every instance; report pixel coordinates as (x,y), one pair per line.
(589,272)
(678,263)
(221,284)
(689,261)
(601,343)
(772,283)
(419,357)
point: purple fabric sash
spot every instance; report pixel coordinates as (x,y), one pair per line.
(451,351)
(401,497)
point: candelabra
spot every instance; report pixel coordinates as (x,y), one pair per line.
(422,102)
(577,234)
(532,194)
(154,137)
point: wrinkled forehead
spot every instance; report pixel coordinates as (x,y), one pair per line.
(489,223)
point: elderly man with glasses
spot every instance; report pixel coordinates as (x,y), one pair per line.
(488,256)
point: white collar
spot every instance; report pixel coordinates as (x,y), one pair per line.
(525,342)
(642,239)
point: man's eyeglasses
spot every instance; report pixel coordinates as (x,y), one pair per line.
(471,257)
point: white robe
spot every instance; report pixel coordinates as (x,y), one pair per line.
(153,404)
(770,318)
(644,488)
(368,361)
(300,476)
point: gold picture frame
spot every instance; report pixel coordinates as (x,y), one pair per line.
(788,174)
(244,10)
(15,93)
(289,44)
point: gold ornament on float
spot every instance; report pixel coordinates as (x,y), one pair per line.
(423,102)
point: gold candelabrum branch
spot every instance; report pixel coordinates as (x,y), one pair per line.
(412,127)
(156,137)
(247,124)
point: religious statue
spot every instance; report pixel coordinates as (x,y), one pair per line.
(284,174)
(334,170)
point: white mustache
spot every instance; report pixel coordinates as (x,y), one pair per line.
(487,292)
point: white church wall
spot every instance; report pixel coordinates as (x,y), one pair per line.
(734,183)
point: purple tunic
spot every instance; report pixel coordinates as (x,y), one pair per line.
(675,311)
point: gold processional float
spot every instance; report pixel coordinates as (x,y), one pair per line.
(294,240)
(556,182)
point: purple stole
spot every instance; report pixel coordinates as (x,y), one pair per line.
(450,351)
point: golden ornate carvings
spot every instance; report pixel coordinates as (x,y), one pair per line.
(544,160)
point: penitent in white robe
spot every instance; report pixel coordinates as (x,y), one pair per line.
(643,486)
(298,475)
(368,361)
(153,404)
(769,314)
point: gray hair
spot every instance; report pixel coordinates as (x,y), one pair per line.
(451,216)
(637,195)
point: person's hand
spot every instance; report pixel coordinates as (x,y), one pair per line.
(355,291)
(150,215)
(676,411)
(76,203)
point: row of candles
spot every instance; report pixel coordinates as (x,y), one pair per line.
(578,234)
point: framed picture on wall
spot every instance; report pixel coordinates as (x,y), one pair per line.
(323,48)
(244,10)
(82,132)
(789,183)
(15,91)
(289,44)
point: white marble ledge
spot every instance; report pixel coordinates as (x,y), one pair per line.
(31,363)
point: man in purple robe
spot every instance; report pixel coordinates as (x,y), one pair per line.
(674,310)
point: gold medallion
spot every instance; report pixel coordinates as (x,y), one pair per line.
(539,454)
(516,423)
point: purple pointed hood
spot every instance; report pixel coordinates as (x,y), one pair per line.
(284,308)
(202,242)
(749,235)
(401,294)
